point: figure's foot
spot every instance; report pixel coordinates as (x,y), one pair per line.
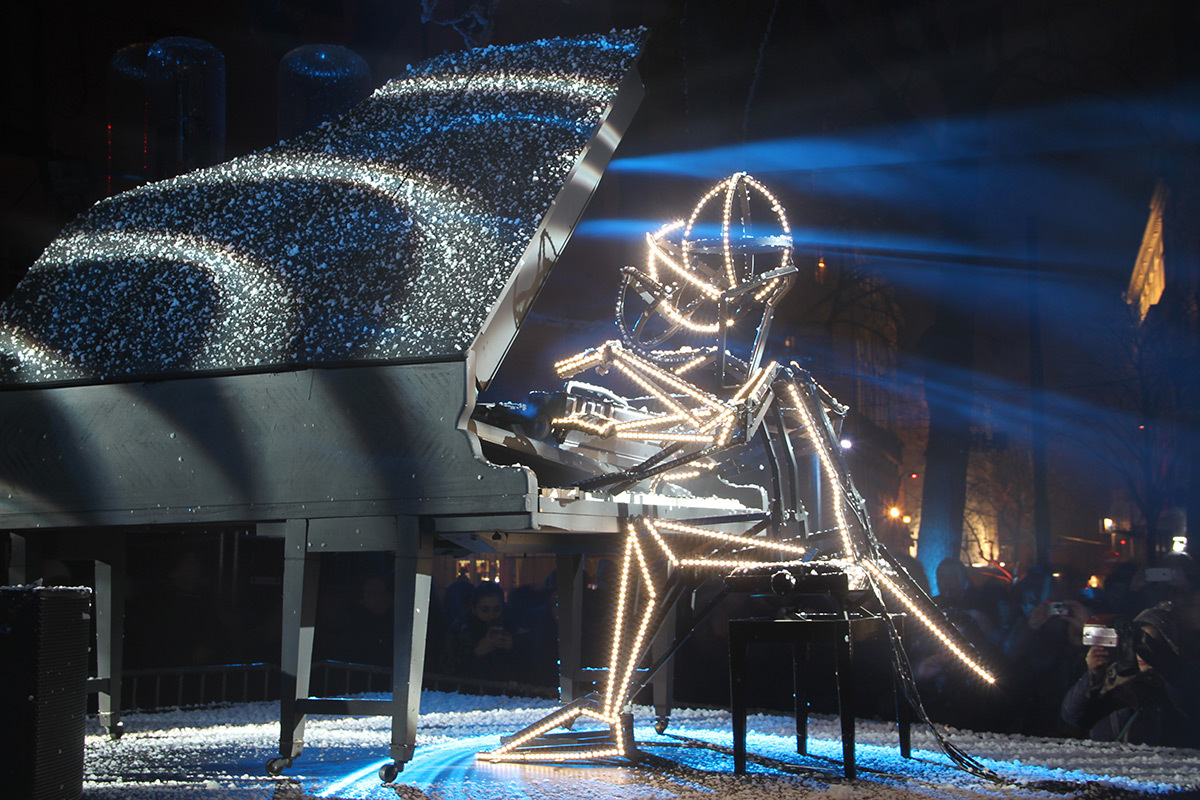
(537,742)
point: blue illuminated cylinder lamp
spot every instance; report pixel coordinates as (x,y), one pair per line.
(186,105)
(319,83)
(127,156)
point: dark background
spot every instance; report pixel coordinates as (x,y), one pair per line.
(968,185)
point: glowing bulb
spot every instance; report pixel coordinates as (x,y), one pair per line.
(894,512)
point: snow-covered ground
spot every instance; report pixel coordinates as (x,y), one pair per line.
(221,752)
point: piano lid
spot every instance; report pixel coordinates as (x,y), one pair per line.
(418,227)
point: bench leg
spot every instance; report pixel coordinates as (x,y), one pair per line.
(845,683)
(800,655)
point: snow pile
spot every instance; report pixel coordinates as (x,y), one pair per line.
(220,753)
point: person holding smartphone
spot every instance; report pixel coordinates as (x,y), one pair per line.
(479,643)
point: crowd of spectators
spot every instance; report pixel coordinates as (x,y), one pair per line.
(1108,662)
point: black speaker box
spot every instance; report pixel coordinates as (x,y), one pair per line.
(43,690)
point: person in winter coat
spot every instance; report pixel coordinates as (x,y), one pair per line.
(1138,692)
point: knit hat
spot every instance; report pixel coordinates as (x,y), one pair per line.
(1162,617)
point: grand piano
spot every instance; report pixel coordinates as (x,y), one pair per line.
(294,341)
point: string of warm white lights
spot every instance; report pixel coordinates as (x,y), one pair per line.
(934,628)
(692,416)
(937,629)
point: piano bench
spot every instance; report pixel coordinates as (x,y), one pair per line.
(838,630)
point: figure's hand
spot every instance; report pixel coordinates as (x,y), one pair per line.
(1098,658)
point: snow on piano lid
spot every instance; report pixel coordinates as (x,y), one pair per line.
(388,235)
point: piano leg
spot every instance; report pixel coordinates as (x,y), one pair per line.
(110,633)
(25,565)
(568,576)
(413,570)
(301,572)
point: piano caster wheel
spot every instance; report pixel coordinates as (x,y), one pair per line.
(660,725)
(115,731)
(276,766)
(389,772)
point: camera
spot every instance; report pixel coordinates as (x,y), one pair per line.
(1099,636)
(1120,634)
(1060,610)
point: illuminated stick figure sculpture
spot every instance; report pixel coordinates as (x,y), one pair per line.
(703,408)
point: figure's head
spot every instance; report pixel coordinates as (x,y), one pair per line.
(487,602)
(723,268)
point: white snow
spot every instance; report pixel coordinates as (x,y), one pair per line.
(221,753)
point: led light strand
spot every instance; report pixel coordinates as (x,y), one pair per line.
(730,563)
(763,293)
(619,624)
(585,425)
(662,543)
(713,192)
(927,621)
(695,327)
(550,723)
(650,373)
(664,436)
(729,271)
(682,270)
(682,474)
(835,487)
(655,392)
(648,422)
(635,648)
(768,544)
(688,366)
(666,377)
(578,363)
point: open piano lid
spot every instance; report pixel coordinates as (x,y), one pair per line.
(418,227)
